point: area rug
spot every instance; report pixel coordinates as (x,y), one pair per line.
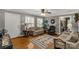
(44,41)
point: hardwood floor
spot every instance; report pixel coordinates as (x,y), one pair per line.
(22,42)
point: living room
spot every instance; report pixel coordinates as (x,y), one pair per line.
(54,28)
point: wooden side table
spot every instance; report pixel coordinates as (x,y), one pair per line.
(26,33)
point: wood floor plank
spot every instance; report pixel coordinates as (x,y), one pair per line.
(22,42)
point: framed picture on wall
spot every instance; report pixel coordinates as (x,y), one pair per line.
(52,21)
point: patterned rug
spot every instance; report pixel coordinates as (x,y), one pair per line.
(43,41)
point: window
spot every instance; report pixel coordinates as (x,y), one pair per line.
(29,21)
(39,22)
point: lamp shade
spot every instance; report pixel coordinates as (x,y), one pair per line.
(69,26)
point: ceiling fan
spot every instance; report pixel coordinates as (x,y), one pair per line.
(45,11)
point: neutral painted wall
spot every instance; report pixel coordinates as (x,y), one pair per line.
(56,24)
(22,23)
(12,24)
(10,19)
(2,20)
(22,20)
(74,25)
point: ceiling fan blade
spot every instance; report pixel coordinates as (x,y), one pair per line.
(42,10)
(49,12)
(45,11)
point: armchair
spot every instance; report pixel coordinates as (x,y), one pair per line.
(51,30)
(68,41)
(73,43)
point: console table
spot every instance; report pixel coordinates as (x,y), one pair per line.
(26,33)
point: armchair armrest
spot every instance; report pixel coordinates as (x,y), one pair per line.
(74,45)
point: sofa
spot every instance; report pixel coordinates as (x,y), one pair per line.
(60,42)
(73,43)
(67,40)
(36,31)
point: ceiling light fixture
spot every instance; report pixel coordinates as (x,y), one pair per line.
(45,12)
(42,14)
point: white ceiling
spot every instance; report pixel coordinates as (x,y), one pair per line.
(37,12)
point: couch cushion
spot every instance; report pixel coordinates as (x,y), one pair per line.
(73,40)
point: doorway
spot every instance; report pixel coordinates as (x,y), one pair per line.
(65,24)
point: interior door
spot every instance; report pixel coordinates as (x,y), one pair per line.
(12,24)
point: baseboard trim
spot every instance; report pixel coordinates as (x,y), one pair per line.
(17,37)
